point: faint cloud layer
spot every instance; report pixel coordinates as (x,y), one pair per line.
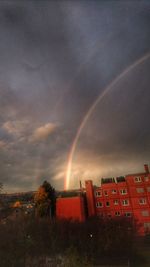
(2,144)
(15,127)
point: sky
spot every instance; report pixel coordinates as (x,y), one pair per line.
(56,59)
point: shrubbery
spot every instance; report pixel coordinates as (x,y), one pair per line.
(95,240)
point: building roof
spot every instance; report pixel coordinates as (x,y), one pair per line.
(136,174)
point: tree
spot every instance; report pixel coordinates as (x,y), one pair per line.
(17,204)
(51,196)
(45,200)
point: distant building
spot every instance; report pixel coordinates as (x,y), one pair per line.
(127,196)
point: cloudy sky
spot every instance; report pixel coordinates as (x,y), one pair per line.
(56,59)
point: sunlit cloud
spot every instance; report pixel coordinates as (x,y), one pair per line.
(43,132)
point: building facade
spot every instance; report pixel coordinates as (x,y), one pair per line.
(127,196)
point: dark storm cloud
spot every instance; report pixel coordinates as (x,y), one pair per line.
(56,58)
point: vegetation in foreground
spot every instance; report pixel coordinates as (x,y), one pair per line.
(96,241)
(33,240)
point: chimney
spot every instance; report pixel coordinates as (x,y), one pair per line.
(146,168)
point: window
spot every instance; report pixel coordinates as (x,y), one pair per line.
(117,213)
(123,191)
(146,178)
(114,191)
(148,189)
(137,179)
(128,214)
(99,204)
(116,202)
(106,193)
(107,204)
(125,202)
(147,225)
(145,213)
(140,190)
(142,201)
(109,215)
(98,194)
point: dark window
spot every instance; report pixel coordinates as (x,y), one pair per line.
(114,191)
(97,193)
(117,213)
(116,202)
(106,193)
(107,204)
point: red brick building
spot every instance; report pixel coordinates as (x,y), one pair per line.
(127,196)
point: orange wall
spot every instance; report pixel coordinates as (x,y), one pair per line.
(70,208)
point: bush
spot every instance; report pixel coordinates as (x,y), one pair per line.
(95,240)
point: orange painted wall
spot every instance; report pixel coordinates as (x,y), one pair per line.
(70,208)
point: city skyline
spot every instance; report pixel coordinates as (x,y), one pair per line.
(57,117)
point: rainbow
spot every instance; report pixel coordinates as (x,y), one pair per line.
(90,111)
